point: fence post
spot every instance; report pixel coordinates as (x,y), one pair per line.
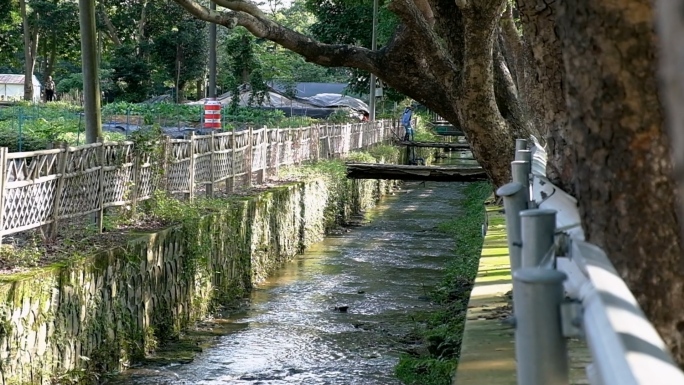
(57,203)
(209,188)
(190,195)
(268,152)
(249,157)
(230,181)
(166,163)
(537,230)
(524,155)
(316,141)
(278,135)
(520,144)
(514,202)
(262,165)
(3,192)
(100,195)
(521,174)
(137,169)
(540,347)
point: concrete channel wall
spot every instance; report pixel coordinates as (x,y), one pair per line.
(100,312)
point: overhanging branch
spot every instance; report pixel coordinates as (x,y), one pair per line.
(245,14)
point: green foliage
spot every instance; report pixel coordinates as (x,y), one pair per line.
(181,48)
(350,22)
(131,72)
(360,157)
(425,371)
(10,35)
(442,330)
(385,152)
(343,115)
(423,131)
(243,68)
(27,255)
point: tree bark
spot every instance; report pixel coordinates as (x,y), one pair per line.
(670,29)
(625,185)
(544,87)
(30,49)
(492,144)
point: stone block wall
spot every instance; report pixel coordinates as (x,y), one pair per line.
(101,312)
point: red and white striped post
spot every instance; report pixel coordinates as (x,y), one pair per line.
(212,113)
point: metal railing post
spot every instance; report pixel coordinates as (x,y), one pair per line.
(540,347)
(524,155)
(520,171)
(520,144)
(515,201)
(537,230)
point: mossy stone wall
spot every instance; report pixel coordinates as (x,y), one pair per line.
(98,313)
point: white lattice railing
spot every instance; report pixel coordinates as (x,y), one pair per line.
(44,187)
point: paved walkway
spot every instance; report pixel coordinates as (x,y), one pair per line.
(488,350)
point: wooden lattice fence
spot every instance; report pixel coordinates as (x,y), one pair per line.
(44,187)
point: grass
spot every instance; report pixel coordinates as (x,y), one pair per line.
(441,330)
(494,264)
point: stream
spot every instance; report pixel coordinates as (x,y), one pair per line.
(291,333)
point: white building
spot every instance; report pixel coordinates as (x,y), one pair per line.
(12,87)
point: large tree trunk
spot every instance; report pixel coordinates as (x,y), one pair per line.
(543,87)
(478,109)
(671,29)
(623,168)
(30,49)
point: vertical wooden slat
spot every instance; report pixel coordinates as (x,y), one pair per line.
(166,163)
(263,152)
(190,195)
(249,157)
(135,171)
(277,150)
(212,167)
(56,205)
(100,194)
(230,182)
(3,182)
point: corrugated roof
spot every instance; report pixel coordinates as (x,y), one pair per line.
(16,79)
(11,79)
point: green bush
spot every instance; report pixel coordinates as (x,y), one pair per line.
(388,153)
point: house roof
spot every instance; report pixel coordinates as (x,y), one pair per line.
(15,79)
(305,89)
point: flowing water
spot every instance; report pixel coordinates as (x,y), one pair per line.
(292,333)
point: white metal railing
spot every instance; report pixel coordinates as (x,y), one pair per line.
(565,287)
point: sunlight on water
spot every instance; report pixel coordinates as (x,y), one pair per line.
(291,333)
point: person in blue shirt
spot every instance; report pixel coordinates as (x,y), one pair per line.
(406,122)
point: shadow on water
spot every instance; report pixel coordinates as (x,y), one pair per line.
(292,334)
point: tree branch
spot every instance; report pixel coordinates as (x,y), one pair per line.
(111,31)
(426,10)
(329,55)
(414,18)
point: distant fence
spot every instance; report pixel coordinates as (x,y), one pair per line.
(44,187)
(566,287)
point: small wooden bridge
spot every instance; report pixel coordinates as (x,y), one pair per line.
(420,173)
(453,146)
